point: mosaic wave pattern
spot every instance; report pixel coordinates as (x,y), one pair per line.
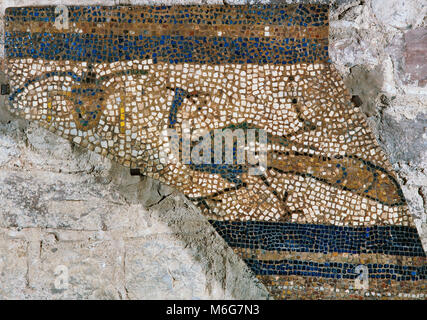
(328,203)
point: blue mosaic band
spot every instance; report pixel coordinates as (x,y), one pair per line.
(314,15)
(169,49)
(279,35)
(390,240)
(336,270)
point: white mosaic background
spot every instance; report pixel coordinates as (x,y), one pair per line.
(124,237)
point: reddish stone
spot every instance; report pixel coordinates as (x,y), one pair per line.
(416,56)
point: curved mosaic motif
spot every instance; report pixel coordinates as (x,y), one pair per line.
(327,203)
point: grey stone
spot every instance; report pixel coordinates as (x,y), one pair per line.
(13,268)
(365,84)
(404,139)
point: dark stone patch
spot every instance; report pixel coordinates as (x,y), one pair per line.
(5,89)
(356,101)
(5,115)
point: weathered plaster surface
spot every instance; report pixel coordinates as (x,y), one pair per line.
(125,237)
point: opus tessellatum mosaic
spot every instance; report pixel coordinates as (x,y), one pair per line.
(324,217)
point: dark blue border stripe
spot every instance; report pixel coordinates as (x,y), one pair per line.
(171,49)
(247,15)
(392,240)
(335,270)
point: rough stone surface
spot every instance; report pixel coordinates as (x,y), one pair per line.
(118,236)
(399,13)
(74,225)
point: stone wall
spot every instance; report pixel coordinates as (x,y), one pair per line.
(75,225)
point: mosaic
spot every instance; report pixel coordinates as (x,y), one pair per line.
(322,218)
